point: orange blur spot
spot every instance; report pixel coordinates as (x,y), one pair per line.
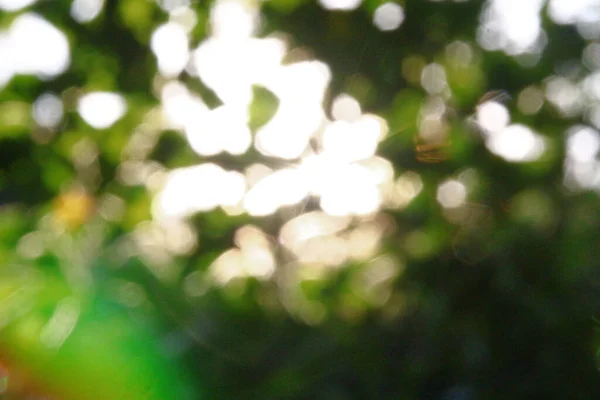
(73,208)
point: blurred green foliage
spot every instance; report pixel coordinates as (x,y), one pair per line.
(502,308)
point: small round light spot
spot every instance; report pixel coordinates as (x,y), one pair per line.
(345,5)
(47,110)
(388,16)
(492,117)
(345,108)
(451,194)
(516,143)
(101,109)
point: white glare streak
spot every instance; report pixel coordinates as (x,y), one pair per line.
(61,324)
(101,109)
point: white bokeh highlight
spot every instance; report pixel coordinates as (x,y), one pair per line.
(451,194)
(565,95)
(388,16)
(571,12)
(513,26)
(204,187)
(169,43)
(47,110)
(101,109)
(223,129)
(332,161)
(15,5)
(233,20)
(582,167)
(433,78)
(345,108)
(340,5)
(32,46)
(84,11)
(180,107)
(516,143)
(492,117)
(583,144)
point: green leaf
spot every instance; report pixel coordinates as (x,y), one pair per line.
(263,107)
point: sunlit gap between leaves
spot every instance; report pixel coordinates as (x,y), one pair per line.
(342,170)
(344,173)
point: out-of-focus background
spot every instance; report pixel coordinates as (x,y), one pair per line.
(294,199)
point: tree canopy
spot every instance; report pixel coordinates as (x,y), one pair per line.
(294,199)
